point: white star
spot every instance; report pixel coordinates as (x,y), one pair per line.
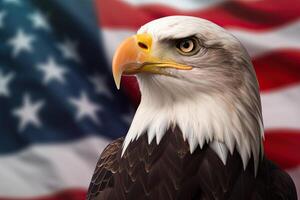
(39,21)
(99,82)
(52,71)
(85,108)
(28,113)
(21,42)
(2,15)
(15,2)
(4,81)
(69,50)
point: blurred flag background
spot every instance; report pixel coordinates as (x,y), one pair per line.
(58,104)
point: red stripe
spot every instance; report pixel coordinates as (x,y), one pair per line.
(71,194)
(283,147)
(258,15)
(277,69)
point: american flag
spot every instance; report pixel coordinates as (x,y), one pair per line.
(58,104)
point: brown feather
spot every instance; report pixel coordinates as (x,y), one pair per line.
(168,171)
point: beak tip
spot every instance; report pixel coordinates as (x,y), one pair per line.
(117,80)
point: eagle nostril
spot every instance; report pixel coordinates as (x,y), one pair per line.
(143,45)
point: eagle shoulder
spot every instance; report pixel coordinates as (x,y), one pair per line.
(277,182)
(106,166)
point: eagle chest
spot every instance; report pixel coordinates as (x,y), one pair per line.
(170,171)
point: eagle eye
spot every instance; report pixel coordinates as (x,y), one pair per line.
(187,46)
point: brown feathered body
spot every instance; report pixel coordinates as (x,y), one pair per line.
(169,171)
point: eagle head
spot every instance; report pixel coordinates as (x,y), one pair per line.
(195,75)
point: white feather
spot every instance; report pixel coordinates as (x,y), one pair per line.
(220,149)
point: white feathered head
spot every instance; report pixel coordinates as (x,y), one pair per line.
(196,75)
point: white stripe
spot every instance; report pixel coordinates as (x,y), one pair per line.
(295,174)
(178,4)
(44,169)
(257,43)
(281,108)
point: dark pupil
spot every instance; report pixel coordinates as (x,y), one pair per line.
(186,44)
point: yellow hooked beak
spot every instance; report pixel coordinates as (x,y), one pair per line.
(134,56)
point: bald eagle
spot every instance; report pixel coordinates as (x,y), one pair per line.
(197,133)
